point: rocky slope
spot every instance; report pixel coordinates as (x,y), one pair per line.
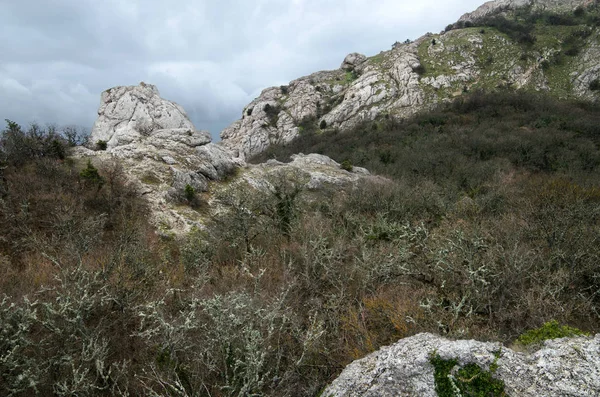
(492,7)
(413,76)
(562,367)
(161,152)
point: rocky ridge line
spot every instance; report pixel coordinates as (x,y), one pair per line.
(411,77)
(492,7)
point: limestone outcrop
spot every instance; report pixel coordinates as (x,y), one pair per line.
(353,61)
(562,367)
(414,76)
(127,114)
(360,90)
(320,171)
(168,154)
(160,151)
(492,7)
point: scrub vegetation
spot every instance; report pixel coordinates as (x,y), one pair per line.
(485,226)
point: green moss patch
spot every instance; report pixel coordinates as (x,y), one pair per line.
(550,330)
(470,380)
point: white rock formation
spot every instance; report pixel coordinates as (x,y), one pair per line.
(160,150)
(409,78)
(169,153)
(562,367)
(352,61)
(360,90)
(127,114)
(321,172)
(492,7)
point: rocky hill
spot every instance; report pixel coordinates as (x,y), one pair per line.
(541,45)
(506,43)
(156,262)
(492,7)
(162,153)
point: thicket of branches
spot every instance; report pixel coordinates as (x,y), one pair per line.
(487,227)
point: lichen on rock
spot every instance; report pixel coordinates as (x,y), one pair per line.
(562,367)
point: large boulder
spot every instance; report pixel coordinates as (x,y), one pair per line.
(562,367)
(352,61)
(160,150)
(321,172)
(126,114)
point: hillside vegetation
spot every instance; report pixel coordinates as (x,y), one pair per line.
(487,227)
(538,48)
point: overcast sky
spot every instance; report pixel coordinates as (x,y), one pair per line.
(210,56)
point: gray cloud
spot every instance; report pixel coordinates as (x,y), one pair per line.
(212,57)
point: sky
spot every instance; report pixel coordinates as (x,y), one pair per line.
(211,56)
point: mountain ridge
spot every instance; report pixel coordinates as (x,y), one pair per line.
(418,75)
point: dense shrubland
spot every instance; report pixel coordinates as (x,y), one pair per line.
(520,24)
(487,227)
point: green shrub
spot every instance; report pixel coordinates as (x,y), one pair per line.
(550,330)
(286,189)
(323,124)
(18,146)
(272,113)
(189,192)
(521,32)
(420,69)
(91,175)
(101,145)
(308,125)
(545,64)
(350,76)
(346,165)
(595,85)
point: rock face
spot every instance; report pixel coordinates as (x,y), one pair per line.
(562,367)
(492,7)
(161,152)
(361,90)
(129,113)
(415,76)
(352,61)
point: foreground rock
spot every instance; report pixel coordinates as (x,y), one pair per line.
(562,367)
(414,76)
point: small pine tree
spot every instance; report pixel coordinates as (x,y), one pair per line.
(101,145)
(189,192)
(346,165)
(91,176)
